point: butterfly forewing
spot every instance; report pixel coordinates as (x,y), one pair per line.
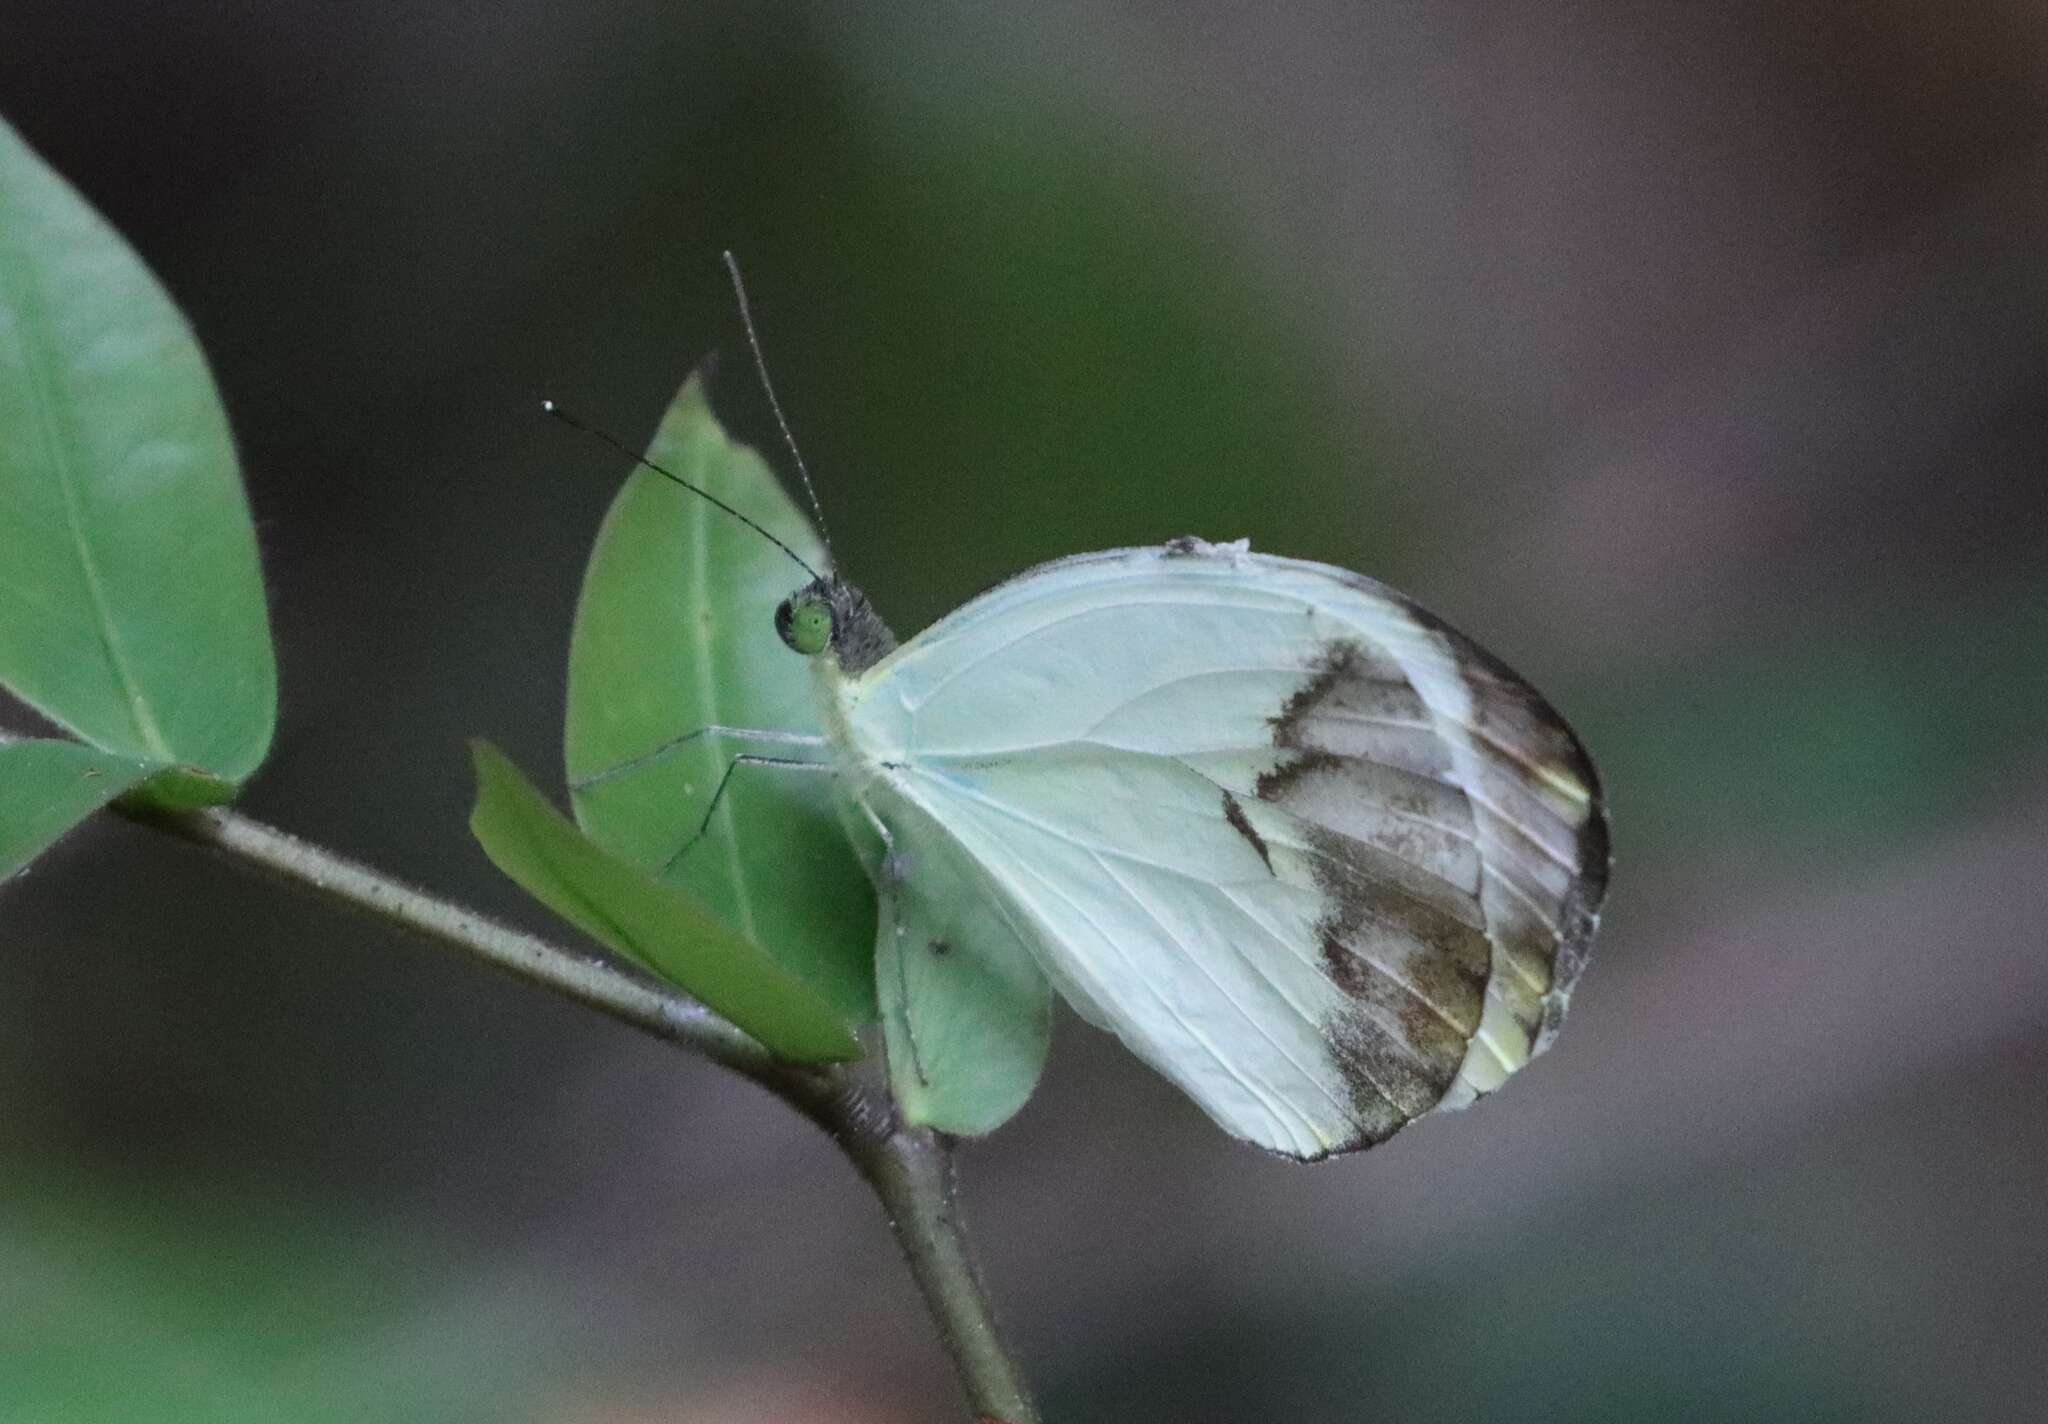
(1311,854)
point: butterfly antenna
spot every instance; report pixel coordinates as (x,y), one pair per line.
(739,291)
(555,410)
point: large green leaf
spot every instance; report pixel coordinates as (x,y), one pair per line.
(675,631)
(131,606)
(622,906)
(48,786)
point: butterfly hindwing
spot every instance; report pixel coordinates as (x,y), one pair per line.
(1310,853)
(965,1007)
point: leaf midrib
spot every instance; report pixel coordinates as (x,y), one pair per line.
(743,890)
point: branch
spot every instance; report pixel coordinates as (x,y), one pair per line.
(910,1169)
(643,1003)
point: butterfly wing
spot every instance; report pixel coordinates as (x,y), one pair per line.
(965,1008)
(1315,856)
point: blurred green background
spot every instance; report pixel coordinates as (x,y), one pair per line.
(1695,359)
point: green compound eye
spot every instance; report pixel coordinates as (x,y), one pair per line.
(805,625)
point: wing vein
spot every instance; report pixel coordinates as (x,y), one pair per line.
(1179,758)
(1281,603)
(1204,674)
(1556,857)
(1535,772)
(1170,1010)
(1246,1014)
(1377,967)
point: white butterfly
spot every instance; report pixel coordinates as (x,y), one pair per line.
(1316,857)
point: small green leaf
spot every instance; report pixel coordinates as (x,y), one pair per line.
(49,786)
(183,788)
(623,907)
(675,631)
(131,607)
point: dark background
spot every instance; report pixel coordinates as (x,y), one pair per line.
(1694,358)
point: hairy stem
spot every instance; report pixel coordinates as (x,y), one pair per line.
(640,1002)
(910,1169)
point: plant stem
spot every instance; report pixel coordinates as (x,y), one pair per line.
(910,1169)
(642,1003)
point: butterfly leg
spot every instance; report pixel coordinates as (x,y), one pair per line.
(743,759)
(744,734)
(892,864)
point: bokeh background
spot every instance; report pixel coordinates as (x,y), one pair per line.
(1693,357)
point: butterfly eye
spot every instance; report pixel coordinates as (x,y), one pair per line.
(805,625)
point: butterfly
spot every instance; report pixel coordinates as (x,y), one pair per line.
(1316,857)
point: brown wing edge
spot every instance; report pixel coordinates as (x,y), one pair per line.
(1522,725)
(1515,713)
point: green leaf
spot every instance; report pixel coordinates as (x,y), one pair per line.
(131,605)
(675,631)
(174,1299)
(49,786)
(623,907)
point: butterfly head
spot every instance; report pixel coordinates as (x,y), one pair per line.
(830,615)
(804,621)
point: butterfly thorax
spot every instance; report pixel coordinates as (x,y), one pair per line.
(832,623)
